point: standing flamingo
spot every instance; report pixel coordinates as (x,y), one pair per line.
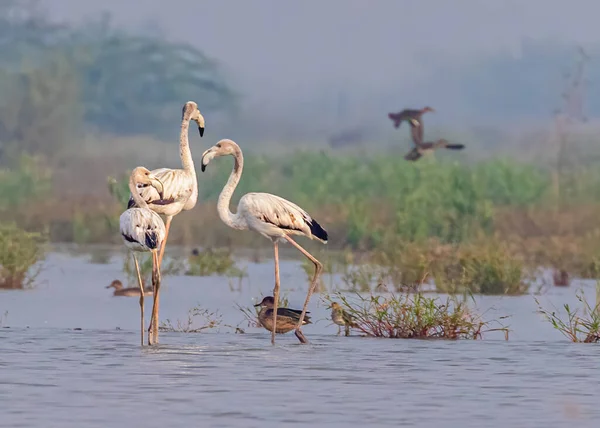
(180,192)
(143,230)
(273,217)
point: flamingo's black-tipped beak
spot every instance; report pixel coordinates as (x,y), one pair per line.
(201,130)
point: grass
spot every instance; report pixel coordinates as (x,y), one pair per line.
(414,316)
(198,320)
(579,325)
(213,262)
(20,251)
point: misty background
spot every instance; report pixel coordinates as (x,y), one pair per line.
(306,71)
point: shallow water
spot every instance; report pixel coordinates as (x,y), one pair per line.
(54,376)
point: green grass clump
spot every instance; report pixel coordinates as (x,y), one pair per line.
(19,252)
(580,325)
(213,262)
(413,316)
(488,266)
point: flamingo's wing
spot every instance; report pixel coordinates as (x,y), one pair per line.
(281,213)
(177,186)
(142,227)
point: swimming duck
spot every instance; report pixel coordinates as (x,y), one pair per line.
(561,278)
(129,292)
(342,318)
(287,319)
(422,148)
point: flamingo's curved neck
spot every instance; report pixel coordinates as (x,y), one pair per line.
(184,147)
(135,194)
(230,219)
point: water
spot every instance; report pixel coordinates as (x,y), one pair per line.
(54,376)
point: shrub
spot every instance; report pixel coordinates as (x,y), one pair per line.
(19,252)
(406,316)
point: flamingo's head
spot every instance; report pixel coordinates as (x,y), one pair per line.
(222,148)
(143,176)
(191,112)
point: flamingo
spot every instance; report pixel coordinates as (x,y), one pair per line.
(273,217)
(143,230)
(180,191)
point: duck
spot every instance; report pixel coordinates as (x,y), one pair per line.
(128,292)
(422,148)
(342,318)
(561,278)
(414,118)
(287,319)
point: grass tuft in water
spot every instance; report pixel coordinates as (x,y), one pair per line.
(209,262)
(411,316)
(19,252)
(198,320)
(580,325)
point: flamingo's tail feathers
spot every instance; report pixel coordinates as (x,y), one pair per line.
(317,231)
(455,146)
(152,240)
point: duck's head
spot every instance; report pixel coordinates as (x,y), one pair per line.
(267,302)
(427,108)
(116,284)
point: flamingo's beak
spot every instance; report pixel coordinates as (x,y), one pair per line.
(207,156)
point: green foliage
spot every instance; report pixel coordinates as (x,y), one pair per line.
(414,316)
(584,328)
(29,180)
(19,252)
(209,262)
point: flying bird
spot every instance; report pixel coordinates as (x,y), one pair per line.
(273,217)
(414,118)
(423,148)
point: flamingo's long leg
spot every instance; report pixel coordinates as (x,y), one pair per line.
(156,278)
(275,290)
(311,289)
(154,317)
(140,282)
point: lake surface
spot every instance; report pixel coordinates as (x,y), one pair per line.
(54,376)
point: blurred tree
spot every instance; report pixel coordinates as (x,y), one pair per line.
(129,84)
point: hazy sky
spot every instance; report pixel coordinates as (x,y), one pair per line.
(299,43)
(295,51)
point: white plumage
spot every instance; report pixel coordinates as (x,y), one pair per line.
(274,217)
(269,215)
(180,190)
(143,230)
